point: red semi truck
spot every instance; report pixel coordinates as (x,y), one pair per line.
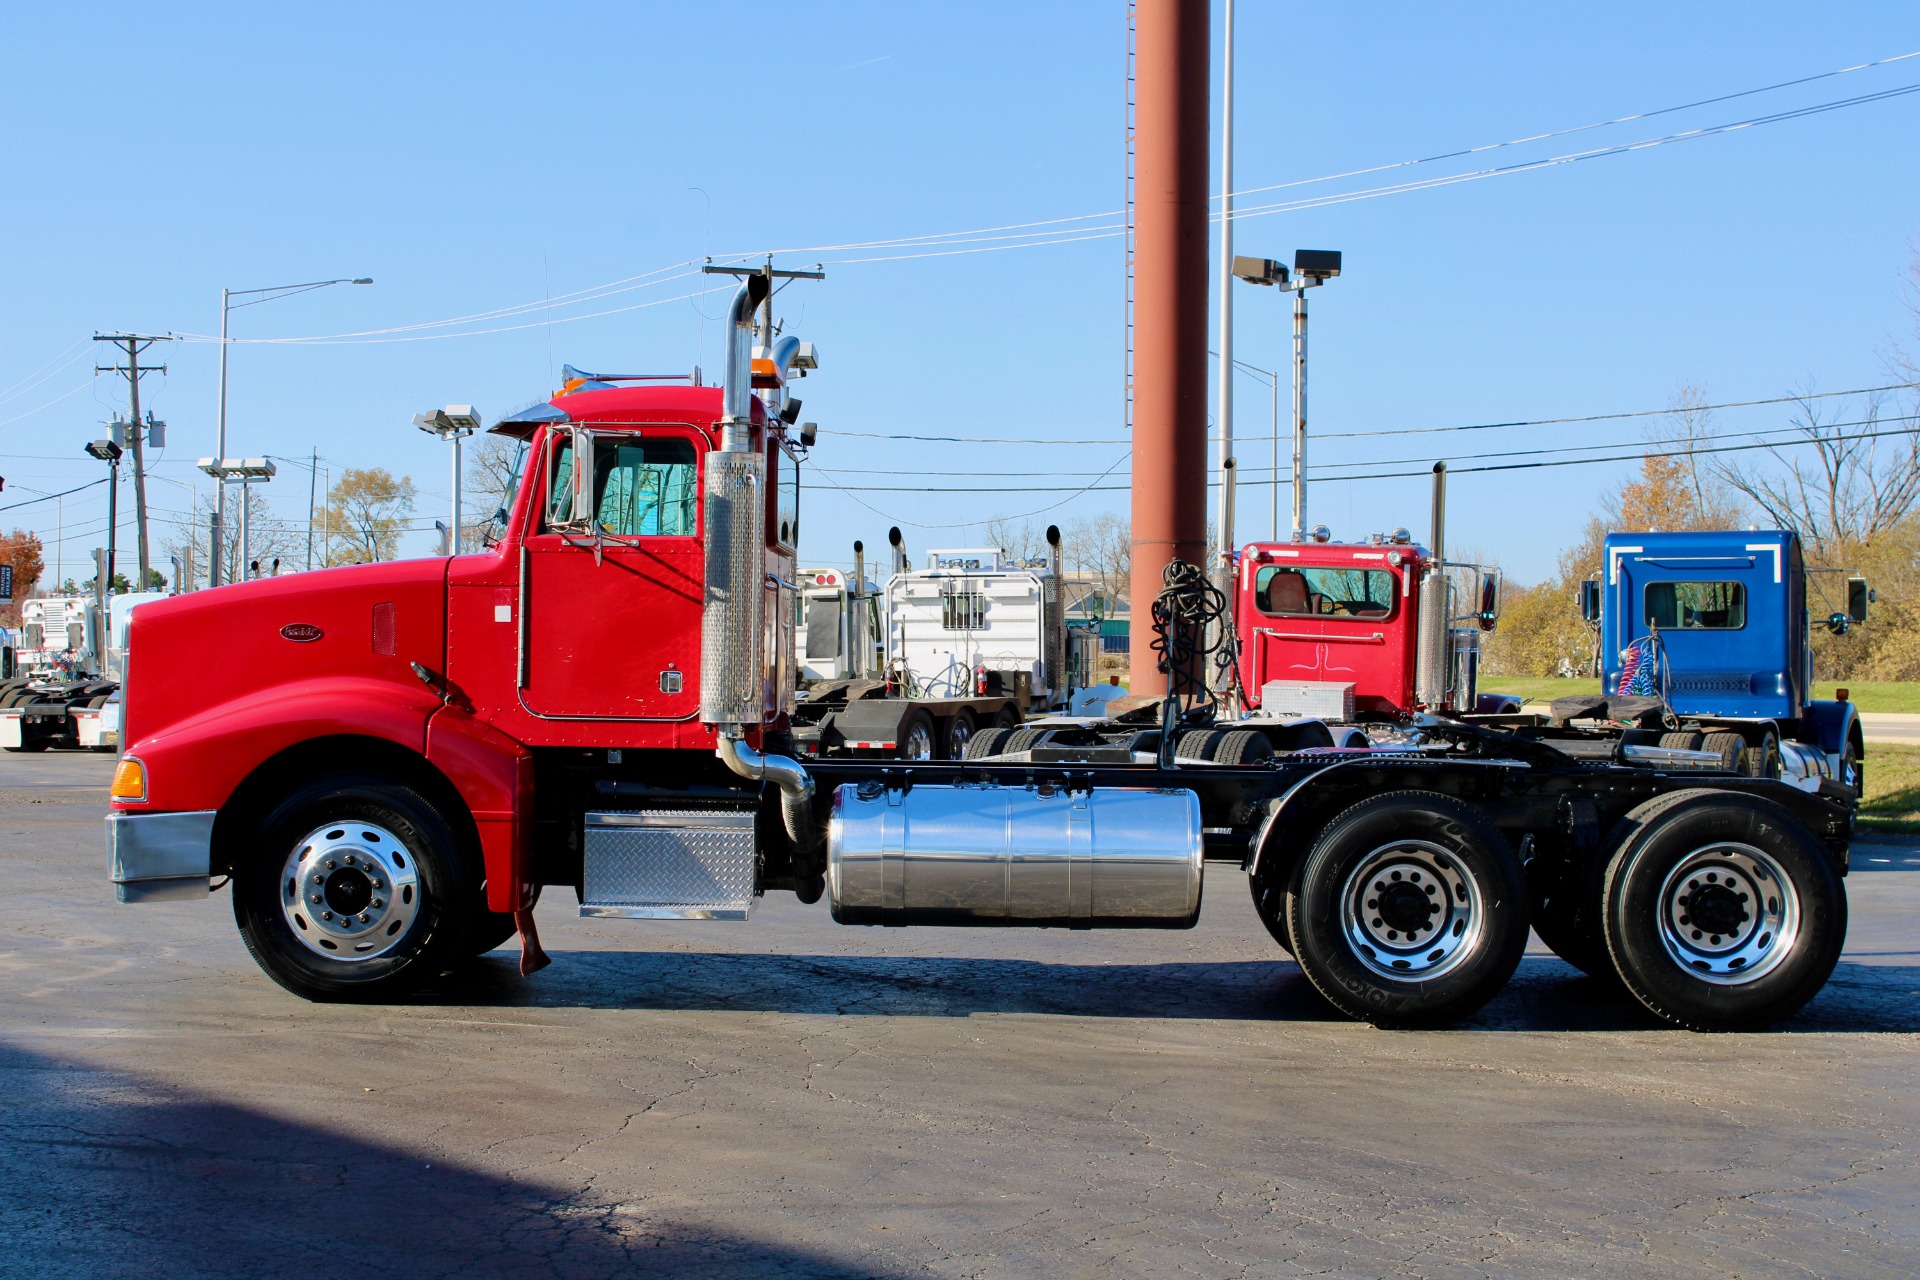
(401,757)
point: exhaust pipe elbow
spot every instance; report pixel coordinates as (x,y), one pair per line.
(784,772)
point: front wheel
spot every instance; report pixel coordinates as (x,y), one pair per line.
(1722,912)
(1410,910)
(356,888)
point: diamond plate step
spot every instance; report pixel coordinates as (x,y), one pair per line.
(669,864)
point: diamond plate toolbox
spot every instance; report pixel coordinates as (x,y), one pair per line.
(669,864)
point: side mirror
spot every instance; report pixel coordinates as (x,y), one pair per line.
(1859,595)
(1838,623)
(1489,601)
(1590,600)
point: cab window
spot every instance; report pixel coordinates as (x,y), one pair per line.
(642,487)
(1696,606)
(1285,591)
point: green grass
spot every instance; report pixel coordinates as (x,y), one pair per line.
(1538,689)
(1877,695)
(1868,695)
(1893,789)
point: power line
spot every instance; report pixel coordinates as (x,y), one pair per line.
(1318,478)
(51,496)
(1064,231)
(1411,431)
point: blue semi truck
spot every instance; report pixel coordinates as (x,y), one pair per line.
(1716,629)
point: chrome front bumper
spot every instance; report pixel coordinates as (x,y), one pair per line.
(160,857)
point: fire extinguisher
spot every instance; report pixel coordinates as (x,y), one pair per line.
(980,680)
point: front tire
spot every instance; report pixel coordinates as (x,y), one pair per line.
(1722,912)
(1410,910)
(356,888)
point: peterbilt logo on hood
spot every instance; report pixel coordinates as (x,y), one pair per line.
(301,632)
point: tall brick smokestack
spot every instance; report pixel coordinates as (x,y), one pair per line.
(1170,306)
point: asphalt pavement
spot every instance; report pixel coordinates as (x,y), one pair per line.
(789,1097)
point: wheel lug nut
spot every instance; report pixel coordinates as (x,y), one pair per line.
(364,917)
(326,915)
(377,904)
(317,898)
(331,864)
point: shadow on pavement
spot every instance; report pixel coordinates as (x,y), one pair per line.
(1545,994)
(106,1176)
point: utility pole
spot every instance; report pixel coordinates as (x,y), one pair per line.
(135,343)
(313,497)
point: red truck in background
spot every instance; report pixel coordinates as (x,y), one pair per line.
(404,755)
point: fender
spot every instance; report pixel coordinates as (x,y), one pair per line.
(1830,724)
(1271,828)
(197,763)
(494,776)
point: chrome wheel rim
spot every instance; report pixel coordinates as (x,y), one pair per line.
(1411,910)
(919,743)
(349,891)
(1729,914)
(958,736)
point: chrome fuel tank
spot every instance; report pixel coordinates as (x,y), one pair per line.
(984,854)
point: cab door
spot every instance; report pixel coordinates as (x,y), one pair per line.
(613,579)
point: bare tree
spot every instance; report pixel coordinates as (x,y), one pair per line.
(1021,539)
(269,538)
(493,472)
(1845,484)
(1100,548)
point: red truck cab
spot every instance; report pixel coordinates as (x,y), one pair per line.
(578,631)
(1340,631)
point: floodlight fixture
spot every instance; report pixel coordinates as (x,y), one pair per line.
(1316,264)
(1259,270)
(105,450)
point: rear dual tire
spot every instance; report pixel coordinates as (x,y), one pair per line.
(1409,911)
(1721,912)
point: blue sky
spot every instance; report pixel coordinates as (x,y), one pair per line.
(476,157)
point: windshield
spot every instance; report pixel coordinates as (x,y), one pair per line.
(1287,592)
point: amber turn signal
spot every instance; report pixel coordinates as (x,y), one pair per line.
(129,780)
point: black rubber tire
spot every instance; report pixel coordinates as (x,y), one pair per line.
(1328,957)
(491,931)
(1763,761)
(959,730)
(1730,747)
(445,927)
(1682,741)
(1198,744)
(987,742)
(1007,717)
(1666,830)
(919,717)
(1569,923)
(1270,904)
(1025,739)
(1243,746)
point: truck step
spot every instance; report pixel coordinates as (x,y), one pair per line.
(669,864)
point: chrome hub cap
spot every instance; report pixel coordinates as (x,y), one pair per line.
(919,743)
(1728,913)
(1410,910)
(349,891)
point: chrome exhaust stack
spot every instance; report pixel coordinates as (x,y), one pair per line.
(1431,666)
(733,677)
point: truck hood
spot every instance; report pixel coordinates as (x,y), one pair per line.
(360,622)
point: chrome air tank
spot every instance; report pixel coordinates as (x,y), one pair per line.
(984,854)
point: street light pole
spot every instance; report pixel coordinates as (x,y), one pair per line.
(215,561)
(1299,413)
(227,307)
(452,424)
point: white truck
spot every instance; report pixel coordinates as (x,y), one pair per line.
(65,686)
(973,640)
